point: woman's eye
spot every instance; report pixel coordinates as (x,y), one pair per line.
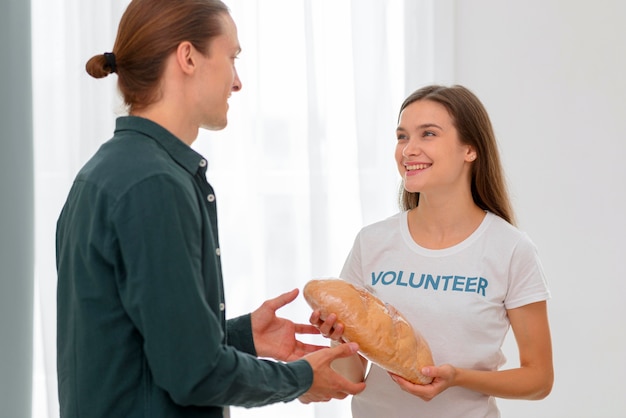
(429,133)
(401,137)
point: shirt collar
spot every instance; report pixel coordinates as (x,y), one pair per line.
(180,152)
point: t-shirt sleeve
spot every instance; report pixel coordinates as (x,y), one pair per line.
(527,281)
(352,270)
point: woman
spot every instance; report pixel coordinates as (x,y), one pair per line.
(462,272)
(141,317)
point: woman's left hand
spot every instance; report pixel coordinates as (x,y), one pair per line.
(443,377)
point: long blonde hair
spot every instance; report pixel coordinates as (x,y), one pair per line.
(473,125)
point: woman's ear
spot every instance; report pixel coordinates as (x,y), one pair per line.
(470,155)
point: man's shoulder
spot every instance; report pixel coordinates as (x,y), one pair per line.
(121,163)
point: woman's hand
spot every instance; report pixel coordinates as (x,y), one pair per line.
(443,378)
(329,327)
(532,380)
(353,368)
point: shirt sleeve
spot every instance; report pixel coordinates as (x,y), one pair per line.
(527,283)
(240,334)
(352,270)
(158,228)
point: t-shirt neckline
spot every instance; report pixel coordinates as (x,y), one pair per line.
(414,246)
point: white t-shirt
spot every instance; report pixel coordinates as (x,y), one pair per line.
(455,297)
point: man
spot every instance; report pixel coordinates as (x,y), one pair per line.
(142,329)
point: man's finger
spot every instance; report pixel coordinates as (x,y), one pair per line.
(308,348)
(306,329)
(344,350)
(282,300)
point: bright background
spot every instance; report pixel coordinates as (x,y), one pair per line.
(307,158)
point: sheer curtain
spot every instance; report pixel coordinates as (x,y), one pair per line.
(307,158)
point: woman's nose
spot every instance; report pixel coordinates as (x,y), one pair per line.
(410,149)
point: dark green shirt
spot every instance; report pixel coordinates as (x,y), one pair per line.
(141,328)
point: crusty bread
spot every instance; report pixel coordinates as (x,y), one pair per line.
(384,336)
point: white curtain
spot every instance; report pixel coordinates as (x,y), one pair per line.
(307,158)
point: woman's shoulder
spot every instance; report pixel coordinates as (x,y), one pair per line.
(506,231)
(386,223)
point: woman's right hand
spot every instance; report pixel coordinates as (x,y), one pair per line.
(329,327)
(353,367)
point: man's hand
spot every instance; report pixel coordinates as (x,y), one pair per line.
(275,337)
(327,383)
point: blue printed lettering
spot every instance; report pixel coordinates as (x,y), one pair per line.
(393,278)
(376,279)
(482,285)
(459,281)
(431,280)
(470,284)
(412,284)
(400,282)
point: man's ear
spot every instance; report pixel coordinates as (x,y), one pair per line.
(186,57)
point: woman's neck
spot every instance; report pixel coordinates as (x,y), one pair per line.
(443,225)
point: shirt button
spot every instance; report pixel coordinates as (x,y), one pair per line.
(218,252)
(203,163)
(211,197)
(222,307)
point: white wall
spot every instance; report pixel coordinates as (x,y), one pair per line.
(552,74)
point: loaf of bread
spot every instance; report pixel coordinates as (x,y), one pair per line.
(384,336)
